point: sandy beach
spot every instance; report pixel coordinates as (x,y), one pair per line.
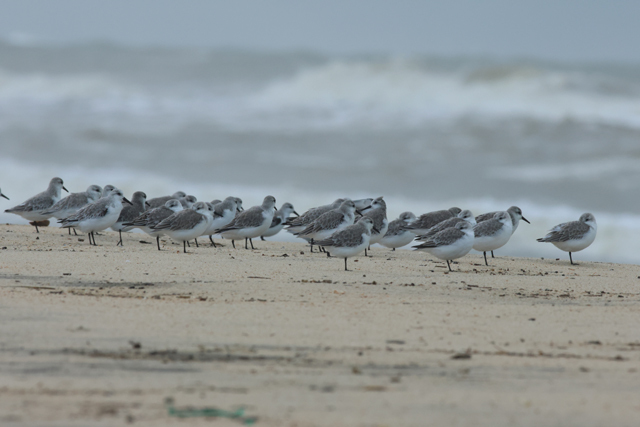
(108,335)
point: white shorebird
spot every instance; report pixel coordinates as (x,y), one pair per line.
(396,236)
(349,241)
(2,195)
(155,216)
(69,205)
(514,212)
(188,201)
(107,190)
(97,216)
(157,202)
(573,236)
(187,224)
(492,234)
(464,215)
(296,225)
(377,211)
(451,243)
(129,213)
(223,213)
(250,223)
(329,222)
(424,222)
(32,208)
(279,218)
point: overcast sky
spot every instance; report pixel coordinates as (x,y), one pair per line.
(579,30)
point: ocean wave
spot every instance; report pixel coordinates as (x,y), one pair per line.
(337,95)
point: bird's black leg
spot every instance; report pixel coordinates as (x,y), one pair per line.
(184,246)
(212,242)
(120,241)
(69,230)
(188,244)
(449,265)
(246,241)
(233,242)
(93,233)
(37,231)
(74,231)
(262,238)
(158,242)
(196,239)
(393,250)
(251,241)
(492,255)
(365,252)
(311,244)
(345,265)
(571,259)
(485,258)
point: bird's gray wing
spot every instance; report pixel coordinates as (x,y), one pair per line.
(487,228)
(566,231)
(39,202)
(347,237)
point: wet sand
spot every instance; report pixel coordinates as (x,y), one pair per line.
(107,335)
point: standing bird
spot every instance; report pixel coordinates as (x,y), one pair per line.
(492,234)
(378,213)
(451,243)
(97,216)
(298,224)
(187,224)
(279,218)
(514,212)
(573,236)
(188,201)
(464,215)
(157,202)
(349,241)
(129,213)
(329,222)
(73,202)
(32,208)
(425,221)
(223,213)
(2,195)
(396,236)
(250,223)
(153,217)
(107,190)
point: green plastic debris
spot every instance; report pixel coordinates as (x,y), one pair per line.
(238,414)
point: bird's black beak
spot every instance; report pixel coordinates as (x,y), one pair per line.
(147,204)
(297,214)
(526,220)
(375,230)
(65,189)
(217,214)
(124,199)
(364,209)
(240,209)
(2,195)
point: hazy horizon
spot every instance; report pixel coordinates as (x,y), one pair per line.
(559,31)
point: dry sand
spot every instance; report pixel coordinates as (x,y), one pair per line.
(104,335)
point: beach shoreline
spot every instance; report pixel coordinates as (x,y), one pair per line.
(105,335)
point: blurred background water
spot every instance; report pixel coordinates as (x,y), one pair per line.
(426,129)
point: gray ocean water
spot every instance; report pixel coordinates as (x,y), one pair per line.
(425,132)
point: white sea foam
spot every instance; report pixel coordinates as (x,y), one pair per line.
(339,94)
